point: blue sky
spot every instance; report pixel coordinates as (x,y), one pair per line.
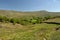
(30,5)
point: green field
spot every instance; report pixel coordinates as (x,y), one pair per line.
(43,31)
(29,32)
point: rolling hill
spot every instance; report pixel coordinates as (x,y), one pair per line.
(11,13)
(42,31)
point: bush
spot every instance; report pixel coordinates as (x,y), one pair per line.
(33,21)
(39,20)
(3,19)
(24,20)
(13,20)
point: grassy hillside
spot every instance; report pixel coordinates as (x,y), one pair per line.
(11,13)
(47,30)
(43,31)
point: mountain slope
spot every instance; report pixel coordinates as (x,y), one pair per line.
(11,13)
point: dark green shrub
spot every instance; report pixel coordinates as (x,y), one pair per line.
(3,18)
(39,20)
(13,20)
(25,20)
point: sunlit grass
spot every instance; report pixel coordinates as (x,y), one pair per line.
(29,32)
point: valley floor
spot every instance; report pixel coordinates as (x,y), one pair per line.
(43,31)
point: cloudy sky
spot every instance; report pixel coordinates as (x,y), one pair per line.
(30,5)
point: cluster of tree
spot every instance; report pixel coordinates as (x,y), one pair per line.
(24,20)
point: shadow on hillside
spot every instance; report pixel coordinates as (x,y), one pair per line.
(52,23)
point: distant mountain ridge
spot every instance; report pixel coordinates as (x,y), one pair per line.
(12,13)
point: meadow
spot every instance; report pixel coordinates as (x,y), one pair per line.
(29,26)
